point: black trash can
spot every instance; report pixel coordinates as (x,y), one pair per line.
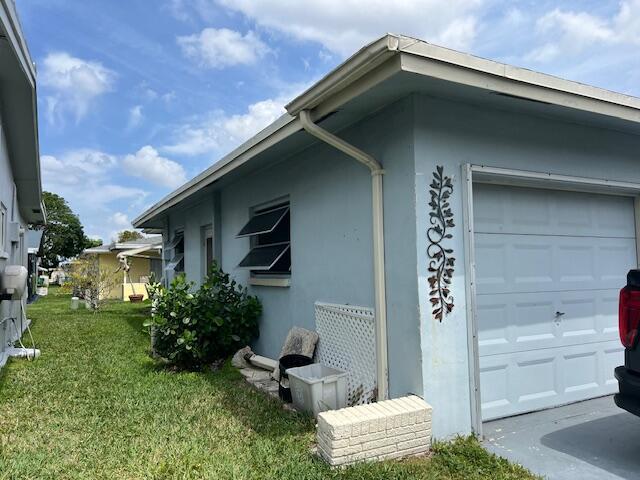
(289,361)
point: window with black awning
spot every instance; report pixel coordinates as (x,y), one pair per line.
(270,232)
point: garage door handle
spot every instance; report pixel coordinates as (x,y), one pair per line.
(559,314)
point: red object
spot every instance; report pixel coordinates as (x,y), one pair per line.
(629,316)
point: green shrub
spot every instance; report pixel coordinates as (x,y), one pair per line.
(191,330)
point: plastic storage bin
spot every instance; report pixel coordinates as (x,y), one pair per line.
(316,388)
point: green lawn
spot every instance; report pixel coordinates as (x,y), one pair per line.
(94,405)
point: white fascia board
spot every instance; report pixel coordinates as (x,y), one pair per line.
(587,99)
(518,74)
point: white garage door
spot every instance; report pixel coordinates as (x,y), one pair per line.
(549,265)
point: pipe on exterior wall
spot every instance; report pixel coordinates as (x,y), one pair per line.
(378,241)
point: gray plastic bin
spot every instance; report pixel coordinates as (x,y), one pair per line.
(316,388)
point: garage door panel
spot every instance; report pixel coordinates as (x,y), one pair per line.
(549,266)
(524,321)
(611,257)
(538,263)
(500,209)
(580,371)
(533,380)
(579,322)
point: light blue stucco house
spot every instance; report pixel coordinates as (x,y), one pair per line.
(487,214)
(20,185)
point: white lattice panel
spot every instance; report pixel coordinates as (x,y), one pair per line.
(348,341)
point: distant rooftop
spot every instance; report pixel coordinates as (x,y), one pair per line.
(154,240)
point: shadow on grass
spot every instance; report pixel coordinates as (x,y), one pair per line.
(257,410)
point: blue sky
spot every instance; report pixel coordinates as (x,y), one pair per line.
(137,96)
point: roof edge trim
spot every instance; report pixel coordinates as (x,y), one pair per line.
(356,66)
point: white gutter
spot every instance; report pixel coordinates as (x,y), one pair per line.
(378,242)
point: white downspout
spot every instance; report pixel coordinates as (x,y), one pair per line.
(378,242)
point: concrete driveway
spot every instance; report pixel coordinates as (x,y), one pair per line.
(587,440)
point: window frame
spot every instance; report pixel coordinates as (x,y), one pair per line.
(178,239)
(263,275)
(206,236)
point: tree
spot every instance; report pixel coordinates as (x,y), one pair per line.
(91,281)
(63,236)
(128,236)
(92,242)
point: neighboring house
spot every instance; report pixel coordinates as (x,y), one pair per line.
(144,258)
(20,186)
(509,197)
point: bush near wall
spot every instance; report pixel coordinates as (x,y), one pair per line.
(193,329)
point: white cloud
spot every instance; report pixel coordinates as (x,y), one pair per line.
(148,164)
(84,174)
(72,84)
(219,133)
(121,220)
(189,10)
(87,180)
(219,48)
(169,97)
(115,224)
(135,116)
(343,26)
(574,33)
(76,166)
(627,22)
(150,94)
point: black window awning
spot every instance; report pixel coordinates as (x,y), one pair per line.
(174,262)
(176,240)
(264,257)
(263,222)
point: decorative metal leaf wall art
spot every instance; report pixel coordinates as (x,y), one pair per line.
(441,260)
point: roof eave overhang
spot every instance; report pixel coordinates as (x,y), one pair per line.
(351,70)
(13,31)
(461,68)
(21,125)
(284,127)
(387,56)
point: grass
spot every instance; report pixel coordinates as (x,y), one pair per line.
(94,405)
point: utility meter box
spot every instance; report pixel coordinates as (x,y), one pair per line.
(14,232)
(13,281)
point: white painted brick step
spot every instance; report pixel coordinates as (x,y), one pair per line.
(379,431)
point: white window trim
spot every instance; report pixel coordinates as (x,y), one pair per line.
(276,281)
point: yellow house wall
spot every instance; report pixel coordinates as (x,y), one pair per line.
(109,262)
(139,267)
